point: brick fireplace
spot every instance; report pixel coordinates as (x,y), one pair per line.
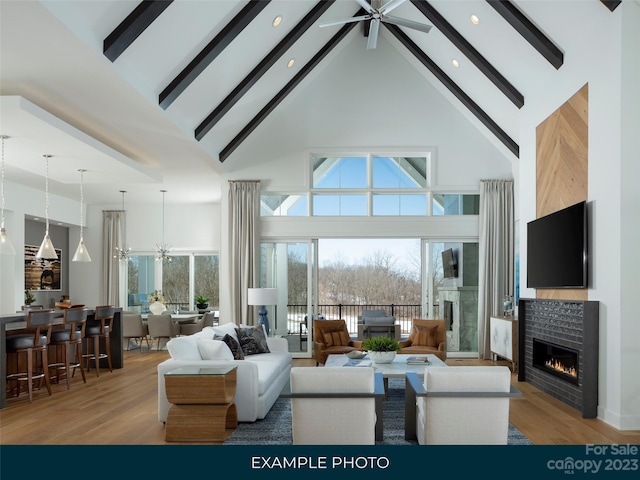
(558,350)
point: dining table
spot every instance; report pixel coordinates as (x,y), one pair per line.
(18,321)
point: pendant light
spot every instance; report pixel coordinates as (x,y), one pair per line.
(5,244)
(82,255)
(123,251)
(162,249)
(46,250)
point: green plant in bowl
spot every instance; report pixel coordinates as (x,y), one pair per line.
(381,344)
(202,302)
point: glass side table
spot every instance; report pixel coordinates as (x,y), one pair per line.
(203,408)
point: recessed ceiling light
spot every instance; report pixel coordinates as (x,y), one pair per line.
(455,63)
(291,62)
(475,20)
(277,21)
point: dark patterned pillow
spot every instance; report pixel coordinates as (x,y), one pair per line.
(234,346)
(252,340)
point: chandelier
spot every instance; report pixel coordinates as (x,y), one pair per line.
(123,251)
(162,249)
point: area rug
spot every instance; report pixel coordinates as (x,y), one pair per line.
(275,428)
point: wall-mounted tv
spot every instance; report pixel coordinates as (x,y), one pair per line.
(449,263)
(557,249)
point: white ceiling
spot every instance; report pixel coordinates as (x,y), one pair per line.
(63,97)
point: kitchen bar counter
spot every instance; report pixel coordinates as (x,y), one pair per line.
(17,321)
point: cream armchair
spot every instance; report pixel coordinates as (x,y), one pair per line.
(336,405)
(459,406)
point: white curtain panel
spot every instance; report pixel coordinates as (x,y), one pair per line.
(244,242)
(112,233)
(496,263)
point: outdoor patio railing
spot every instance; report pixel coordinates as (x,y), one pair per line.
(404,315)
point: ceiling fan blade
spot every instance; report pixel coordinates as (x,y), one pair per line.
(364,4)
(390,5)
(374,28)
(346,20)
(423,27)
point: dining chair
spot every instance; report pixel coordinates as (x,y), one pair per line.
(134,327)
(162,327)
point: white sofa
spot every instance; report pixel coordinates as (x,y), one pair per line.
(261,376)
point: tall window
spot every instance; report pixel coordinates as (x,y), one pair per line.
(181,279)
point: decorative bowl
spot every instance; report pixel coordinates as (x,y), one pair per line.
(356,354)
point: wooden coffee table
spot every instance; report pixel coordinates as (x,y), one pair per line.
(203,408)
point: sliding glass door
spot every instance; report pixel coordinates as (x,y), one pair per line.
(289,267)
(451,291)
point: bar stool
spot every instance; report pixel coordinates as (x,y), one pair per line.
(74,329)
(34,341)
(95,329)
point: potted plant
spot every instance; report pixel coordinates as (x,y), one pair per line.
(202,302)
(381,349)
(29,297)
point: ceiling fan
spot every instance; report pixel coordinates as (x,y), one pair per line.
(379,12)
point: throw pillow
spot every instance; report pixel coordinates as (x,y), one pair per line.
(233,345)
(334,338)
(183,348)
(252,340)
(424,336)
(226,329)
(214,350)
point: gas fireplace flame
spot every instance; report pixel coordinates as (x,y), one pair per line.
(558,366)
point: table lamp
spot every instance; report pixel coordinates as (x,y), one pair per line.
(263,297)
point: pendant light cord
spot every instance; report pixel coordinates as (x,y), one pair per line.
(46,199)
(81,203)
(4,137)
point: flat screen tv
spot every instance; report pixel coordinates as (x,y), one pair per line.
(449,264)
(557,249)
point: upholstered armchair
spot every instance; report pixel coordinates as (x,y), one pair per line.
(331,337)
(427,336)
(459,405)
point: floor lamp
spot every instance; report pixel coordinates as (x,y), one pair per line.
(262,297)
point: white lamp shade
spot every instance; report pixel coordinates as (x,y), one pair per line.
(46,249)
(262,296)
(82,254)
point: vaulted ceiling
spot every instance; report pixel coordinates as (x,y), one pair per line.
(164,92)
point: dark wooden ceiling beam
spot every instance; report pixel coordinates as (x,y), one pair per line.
(611,4)
(455,89)
(282,94)
(209,53)
(250,80)
(529,31)
(470,52)
(131,27)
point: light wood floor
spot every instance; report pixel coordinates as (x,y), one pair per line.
(120,408)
